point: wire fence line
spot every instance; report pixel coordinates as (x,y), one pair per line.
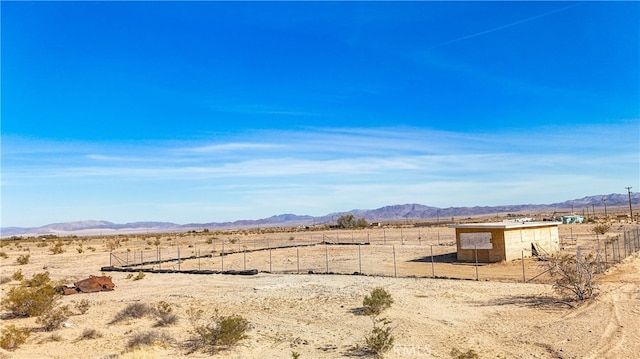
(396,256)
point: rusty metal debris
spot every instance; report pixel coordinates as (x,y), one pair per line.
(90,285)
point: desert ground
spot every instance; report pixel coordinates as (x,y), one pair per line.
(319,315)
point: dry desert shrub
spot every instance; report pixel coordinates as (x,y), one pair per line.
(53,318)
(138,353)
(377,301)
(23,259)
(4,255)
(380,339)
(575,276)
(148,339)
(459,354)
(17,275)
(139,276)
(82,306)
(165,313)
(133,311)
(11,337)
(90,333)
(216,332)
(32,298)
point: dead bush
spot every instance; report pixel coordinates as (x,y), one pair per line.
(133,311)
(4,255)
(11,337)
(574,275)
(149,339)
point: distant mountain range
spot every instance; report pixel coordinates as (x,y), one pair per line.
(387,213)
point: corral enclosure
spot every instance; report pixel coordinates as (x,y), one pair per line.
(393,252)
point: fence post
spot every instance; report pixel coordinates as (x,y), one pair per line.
(222,257)
(270,266)
(298,257)
(606,265)
(395,270)
(475,246)
(524,279)
(244,254)
(618,245)
(198,254)
(110,255)
(384,238)
(360,258)
(178,257)
(127,258)
(326,255)
(433,269)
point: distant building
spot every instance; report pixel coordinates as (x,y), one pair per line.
(572,219)
(504,241)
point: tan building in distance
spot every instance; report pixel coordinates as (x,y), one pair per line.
(504,241)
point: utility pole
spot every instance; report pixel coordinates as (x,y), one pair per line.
(630,209)
(605,207)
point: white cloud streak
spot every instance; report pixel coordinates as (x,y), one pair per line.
(319,171)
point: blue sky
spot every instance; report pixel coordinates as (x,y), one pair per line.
(218,111)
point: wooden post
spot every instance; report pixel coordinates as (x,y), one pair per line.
(524,279)
(298,257)
(270,267)
(178,257)
(476,253)
(359,259)
(395,270)
(433,269)
(326,255)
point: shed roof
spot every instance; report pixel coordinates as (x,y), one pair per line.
(505,225)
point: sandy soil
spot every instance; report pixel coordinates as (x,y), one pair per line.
(318,315)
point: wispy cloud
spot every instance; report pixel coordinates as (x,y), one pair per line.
(324,170)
